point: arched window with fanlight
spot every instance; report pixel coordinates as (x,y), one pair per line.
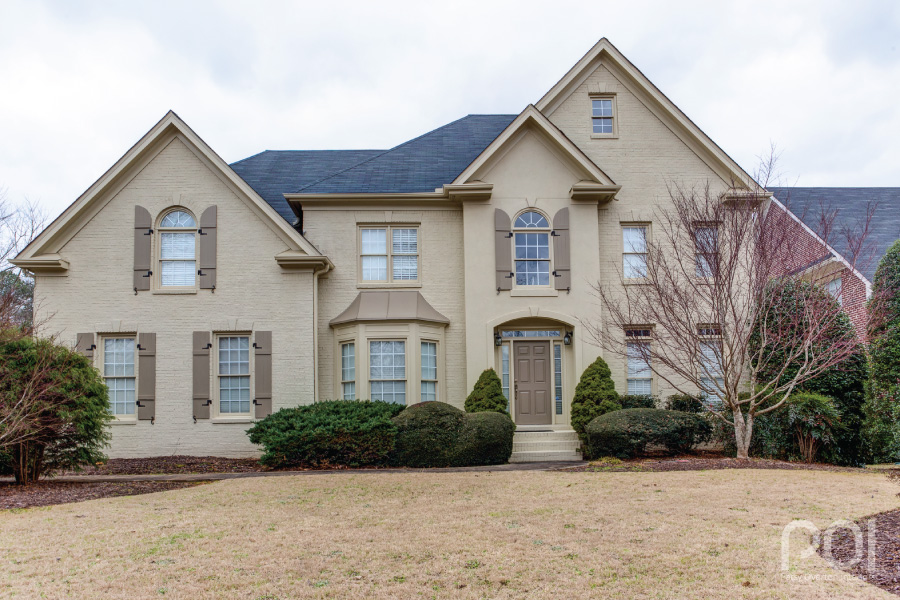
(531,244)
(178,250)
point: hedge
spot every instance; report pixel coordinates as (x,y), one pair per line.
(349,433)
(435,434)
(626,433)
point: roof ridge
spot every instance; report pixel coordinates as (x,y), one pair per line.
(397,147)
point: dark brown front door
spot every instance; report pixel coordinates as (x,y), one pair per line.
(532,384)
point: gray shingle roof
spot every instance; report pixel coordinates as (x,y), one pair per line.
(850,204)
(419,165)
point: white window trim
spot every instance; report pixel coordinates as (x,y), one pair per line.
(437,374)
(615,116)
(635,225)
(389,243)
(100,352)
(216,413)
(533,290)
(643,339)
(159,288)
(355,380)
(406,366)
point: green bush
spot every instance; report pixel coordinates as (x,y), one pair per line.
(637,401)
(595,395)
(685,403)
(813,419)
(435,434)
(349,433)
(844,383)
(487,395)
(881,421)
(626,433)
(66,404)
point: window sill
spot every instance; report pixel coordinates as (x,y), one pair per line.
(383,285)
(116,422)
(175,292)
(604,136)
(235,420)
(544,292)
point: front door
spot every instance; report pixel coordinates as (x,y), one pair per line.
(532,385)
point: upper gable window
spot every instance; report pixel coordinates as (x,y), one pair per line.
(603,116)
(531,237)
(389,254)
(178,250)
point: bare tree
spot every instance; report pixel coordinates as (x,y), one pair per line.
(19,225)
(708,289)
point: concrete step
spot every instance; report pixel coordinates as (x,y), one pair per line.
(541,446)
(546,445)
(524,457)
(545,435)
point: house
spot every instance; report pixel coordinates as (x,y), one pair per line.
(211,294)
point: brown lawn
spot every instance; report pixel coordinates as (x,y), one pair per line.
(698,534)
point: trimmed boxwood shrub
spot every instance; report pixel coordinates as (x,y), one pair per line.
(435,434)
(637,401)
(487,395)
(349,433)
(595,395)
(626,433)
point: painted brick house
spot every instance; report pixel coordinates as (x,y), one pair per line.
(210,294)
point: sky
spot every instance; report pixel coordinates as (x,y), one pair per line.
(81,82)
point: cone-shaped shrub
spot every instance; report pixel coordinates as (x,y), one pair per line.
(595,395)
(487,395)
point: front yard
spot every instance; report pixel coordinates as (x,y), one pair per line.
(697,534)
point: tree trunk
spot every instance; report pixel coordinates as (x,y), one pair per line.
(28,458)
(743,432)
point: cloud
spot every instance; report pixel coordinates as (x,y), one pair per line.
(84,80)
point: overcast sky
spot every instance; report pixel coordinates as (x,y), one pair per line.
(80,82)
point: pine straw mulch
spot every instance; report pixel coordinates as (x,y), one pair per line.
(48,492)
(701,461)
(171,465)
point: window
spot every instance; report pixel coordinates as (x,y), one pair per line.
(602,116)
(557,377)
(118,371)
(177,250)
(348,371)
(504,368)
(706,240)
(833,287)
(640,377)
(389,263)
(234,375)
(532,249)
(387,371)
(429,372)
(634,252)
(711,380)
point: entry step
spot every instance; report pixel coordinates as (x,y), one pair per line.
(545,445)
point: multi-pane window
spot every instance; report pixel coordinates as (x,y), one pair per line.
(557,377)
(833,287)
(177,250)
(640,376)
(396,261)
(532,249)
(711,380)
(234,375)
(118,371)
(348,371)
(634,251)
(429,371)
(602,115)
(504,371)
(706,239)
(387,371)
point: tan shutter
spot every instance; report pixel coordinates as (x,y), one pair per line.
(202,398)
(262,342)
(503,250)
(207,268)
(146,392)
(84,343)
(143,234)
(562,261)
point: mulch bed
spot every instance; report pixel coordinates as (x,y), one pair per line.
(884,570)
(47,492)
(699,462)
(170,465)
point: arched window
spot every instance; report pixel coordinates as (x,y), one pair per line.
(178,250)
(531,237)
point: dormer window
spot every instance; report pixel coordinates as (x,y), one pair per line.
(178,250)
(531,235)
(603,116)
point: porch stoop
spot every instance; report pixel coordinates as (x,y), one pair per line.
(545,445)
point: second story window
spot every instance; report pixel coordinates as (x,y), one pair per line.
(603,116)
(389,254)
(531,237)
(178,250)
(706,240)
(634,252)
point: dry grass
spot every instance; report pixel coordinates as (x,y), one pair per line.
(706,534)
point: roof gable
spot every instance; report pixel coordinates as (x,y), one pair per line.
(645,91)
(55,235)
